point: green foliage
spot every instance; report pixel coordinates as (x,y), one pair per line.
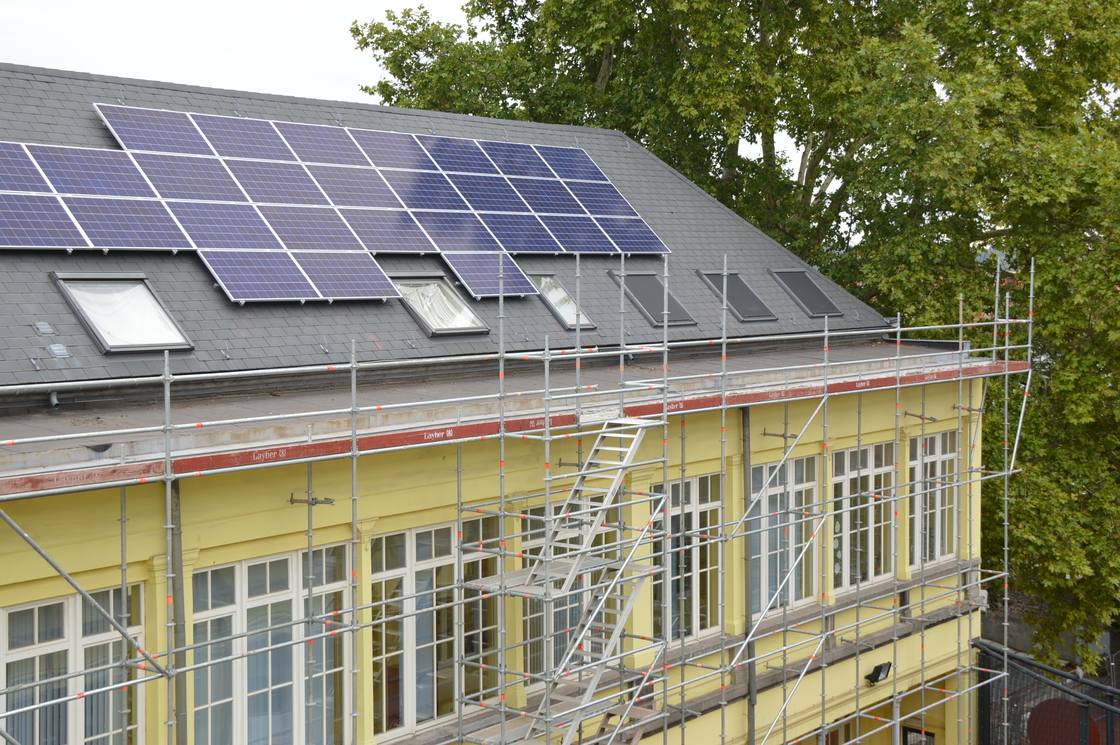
(930,133)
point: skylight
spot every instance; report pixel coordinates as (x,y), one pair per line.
(437,307)
(647,293)
(741,300)
(562,305)
(120,312)
(805,292)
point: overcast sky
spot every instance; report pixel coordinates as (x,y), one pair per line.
(288,47)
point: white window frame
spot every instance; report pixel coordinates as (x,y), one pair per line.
(78,718)
(243,641)
(90,324)
(934,494)
(694,571)
(788,507)
(408,621)
(862,516)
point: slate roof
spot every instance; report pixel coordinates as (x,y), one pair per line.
(55,107)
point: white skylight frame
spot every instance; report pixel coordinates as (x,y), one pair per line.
(422,308)
(117,329)
(563,306)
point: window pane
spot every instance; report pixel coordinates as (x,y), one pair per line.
(438,305)
(395,551)
(21,629)
(125,313)
(92,621)
(278,575)
(258,580)
(201,582)
(221,587)
(50,623)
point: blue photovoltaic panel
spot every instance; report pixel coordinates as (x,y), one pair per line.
(346,275)
(578,234)
(127,223)
(521,233)
(354,187)
(547,196)
(315,143)
(17,172)
(601,199)
(31,220)
(488,193)
(386,231)
(74,170)
(456,231)
(311,229)
(224,225)
(150,129)
(515,159)
(571,162)
(479,274)
(632,236)
(243,138)
(258,275)
(426,191)
(280,183)
(181,177)
(393,150)
(454,154)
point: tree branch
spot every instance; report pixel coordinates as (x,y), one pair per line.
(605,68)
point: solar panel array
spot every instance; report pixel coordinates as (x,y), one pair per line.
(284,211)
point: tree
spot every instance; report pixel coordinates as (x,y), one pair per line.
(931,134)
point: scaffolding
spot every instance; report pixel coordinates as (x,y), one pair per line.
(582,555)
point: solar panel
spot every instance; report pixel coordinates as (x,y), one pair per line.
(258,275)
(601,199)
(571,162)
(479,273)
(455,154)
(578,234)
(488,193)
(388,231)
(151,129)
(549,197)
(354,187)
(521,233)
(741,299)
(428,191)
(311,229)
(74,170)
(315,143)
(18,171)
(224,225)
(243,138)
(806,293)
(632,235)
(393,150)
(351,275)
(32,220)
(181,177)
(456,231)
(515,159)
(126,223)
(281,183)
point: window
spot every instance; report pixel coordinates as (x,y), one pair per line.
(806,293)
(438,308)
(562,305)
(862,510)
(121,312)
(289,693)
(47,642)
(933,473)
(782,523)
(648,295)
(420,630)
(693,577)
(741,300)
